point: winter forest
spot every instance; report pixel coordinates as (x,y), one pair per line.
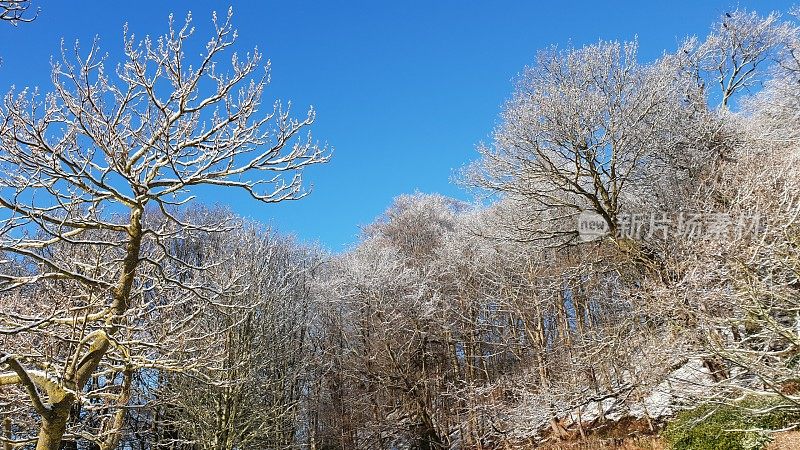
(627,277)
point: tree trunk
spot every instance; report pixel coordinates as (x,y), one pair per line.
(54,426)
(7,433)
(118,420)
(558,429)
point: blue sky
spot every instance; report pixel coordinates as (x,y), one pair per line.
(403,90)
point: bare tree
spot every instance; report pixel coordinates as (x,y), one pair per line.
(585,129)
(92,176)
(16,11)
(749,278)
(452,326)
(734,53)
(260,378)
(436,332)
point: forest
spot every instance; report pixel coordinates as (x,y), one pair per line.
(629,270)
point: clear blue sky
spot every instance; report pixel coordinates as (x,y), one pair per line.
(403,90)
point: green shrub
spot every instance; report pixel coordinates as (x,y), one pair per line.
(709,427)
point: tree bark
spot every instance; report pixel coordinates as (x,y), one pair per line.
(54,426)
(7,433)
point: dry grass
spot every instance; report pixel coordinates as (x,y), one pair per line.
(788,440)
(635,443)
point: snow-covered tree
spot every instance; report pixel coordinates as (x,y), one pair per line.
(92,175)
